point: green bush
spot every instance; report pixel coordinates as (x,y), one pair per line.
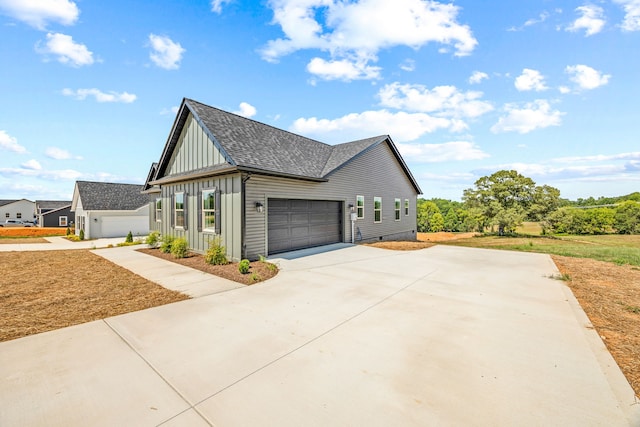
(216,254)
(153,239)
(81,234)
(129,238)
(180,247)
(243,266)
(165,245)
(68,231)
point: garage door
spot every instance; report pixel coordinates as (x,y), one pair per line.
(119,226)
(297,224)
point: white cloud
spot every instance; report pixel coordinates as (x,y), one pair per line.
(408,65)
(533,21)
(446,152)
(586,77)
(591,20)
(631,20)
(246,110)
(634,155)
(445,101)
(82,94)
(346,28)
(60,154)
(165,52)
(173,110)
(216,5)
(343,69)
(8,142)
(51,175)
(477,76)
(564,90)
(32,164)
(67,51)
(530,80)
(401,125)
(534,115)
(38,13)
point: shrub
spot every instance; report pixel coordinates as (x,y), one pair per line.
(81,234)
(68,231)
(153,239)
(243,266)
(255,278)
(167,241)
(179,247)
(216,254)
(129,238)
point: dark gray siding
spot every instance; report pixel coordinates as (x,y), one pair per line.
(52,219)
(374,173)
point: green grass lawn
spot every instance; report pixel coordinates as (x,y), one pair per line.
(619,249)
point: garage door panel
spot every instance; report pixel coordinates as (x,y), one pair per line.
(296,224)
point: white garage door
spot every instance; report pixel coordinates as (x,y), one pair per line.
(119,226)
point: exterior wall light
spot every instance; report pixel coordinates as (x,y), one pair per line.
(259,207)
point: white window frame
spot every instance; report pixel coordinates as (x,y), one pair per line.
(63,221)
(397,204)
(378,210)
(211,212)
(176,210)
(158,209)
(360,207)
(406,207)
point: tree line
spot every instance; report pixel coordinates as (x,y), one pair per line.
(504,200)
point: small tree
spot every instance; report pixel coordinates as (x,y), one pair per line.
(129,238)
(627,218)
(81,234)
(436,223)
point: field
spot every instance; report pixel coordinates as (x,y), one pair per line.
(26,232)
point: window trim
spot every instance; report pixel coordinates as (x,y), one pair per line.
(360,207)
(377,210)
(176,210)
(406,207)
(213,228)
(66,221)
(158,210)
(397,208)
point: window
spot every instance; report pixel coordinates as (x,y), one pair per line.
(6,215)
(377,209)
(397,208)
(360,206)
(62,221)
(19,215)
(179,210)
(159,209)
(406,207)
(209,210)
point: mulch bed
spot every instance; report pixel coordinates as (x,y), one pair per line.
(258,272)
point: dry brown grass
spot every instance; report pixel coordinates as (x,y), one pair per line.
(31,231)
(41,291)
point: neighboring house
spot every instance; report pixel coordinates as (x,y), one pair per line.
(53,213)
(17,209)
(104,209)
(263,190)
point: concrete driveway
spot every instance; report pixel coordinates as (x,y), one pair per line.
(356,336)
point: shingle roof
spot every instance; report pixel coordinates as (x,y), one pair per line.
(253,146)
(107,196)
(52,204)
(7,202)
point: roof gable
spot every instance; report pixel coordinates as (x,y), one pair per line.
(251,146)
(107,196)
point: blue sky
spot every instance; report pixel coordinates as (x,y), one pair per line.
(89,89)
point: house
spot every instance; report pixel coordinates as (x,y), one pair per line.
(104,209)
(53,213)
(263,190)
(17,209)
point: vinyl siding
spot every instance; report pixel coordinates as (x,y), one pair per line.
(194,150)
(375,172)
(230,213)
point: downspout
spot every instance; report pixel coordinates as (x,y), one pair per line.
(243,214)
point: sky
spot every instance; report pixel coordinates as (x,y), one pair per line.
(89,89)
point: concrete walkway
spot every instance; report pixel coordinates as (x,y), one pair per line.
(443,336)
(60,243)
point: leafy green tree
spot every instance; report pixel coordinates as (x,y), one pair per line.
(546,199)
(425,210)
(436,222)
(505,198)
(451,220)
(627,217)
